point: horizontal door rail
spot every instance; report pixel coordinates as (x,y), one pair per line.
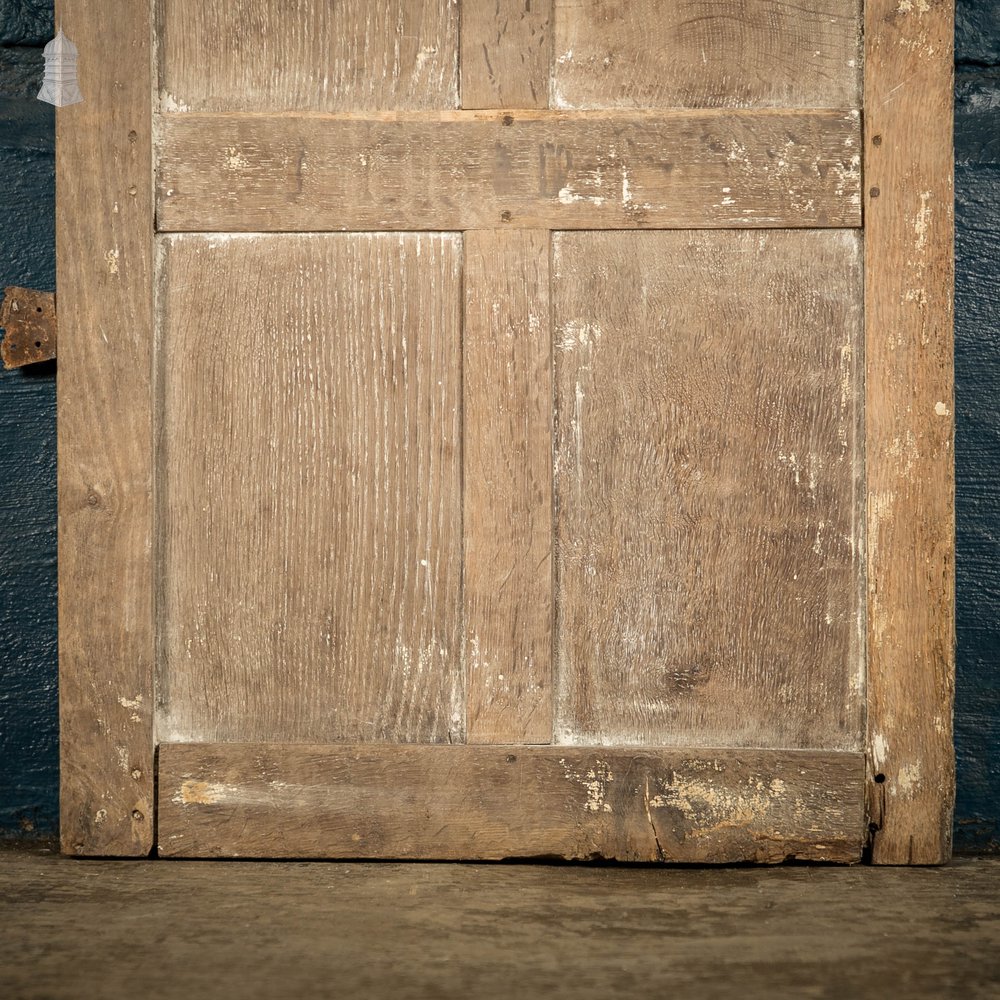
(521,169)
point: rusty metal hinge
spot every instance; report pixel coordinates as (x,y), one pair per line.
(29,317)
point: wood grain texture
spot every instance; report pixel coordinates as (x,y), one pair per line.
(488,170)
(506,53)
(271,55)
(706,53)
(235,800)
(708,489)
(104,232)
(311,499)
(507,426)
(909,281)
(498,931)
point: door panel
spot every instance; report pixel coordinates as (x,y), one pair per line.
(264,55)
(708,490)
(310,488)
(706,54)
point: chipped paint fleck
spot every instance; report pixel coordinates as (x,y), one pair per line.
(567,196)
(595,780)
(880,751)
(234,158)
(922,221)
(200,793)
(169,103)
(578,333)
(709,807)
(907,780)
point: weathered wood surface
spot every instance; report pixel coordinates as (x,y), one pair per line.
(28,319)
(507,426)
(487,170)
(654,804)
(496,931)
(703,53)
(910,429)
(310,519)
(506,53)
(104,233)
(269,55)
(708,488)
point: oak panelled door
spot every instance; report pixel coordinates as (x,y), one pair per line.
(507,428)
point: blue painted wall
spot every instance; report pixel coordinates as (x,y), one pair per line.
(28,723)
(29,760)
(977,413)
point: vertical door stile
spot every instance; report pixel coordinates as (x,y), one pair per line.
(508,486)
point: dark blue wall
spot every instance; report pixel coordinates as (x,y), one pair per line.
(29,761)
(28,725)
(977,412)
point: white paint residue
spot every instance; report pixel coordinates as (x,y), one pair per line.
(567,196)
(737,153)
(170,103)
(595,780)
(135,702)
(818,544)
(791,462)
(423,55)
(942,410)
(904,449)
(579,333)
(709,807)
(234,158)
(111,260)
(907,780)
(626,190)
(921,223)
(880,751)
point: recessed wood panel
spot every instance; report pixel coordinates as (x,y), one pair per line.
(650,804)
(309,496)
(706,54)
(506,53)
(490,170)
(269,55)
(709,530)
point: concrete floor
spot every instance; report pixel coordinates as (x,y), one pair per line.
(192,930)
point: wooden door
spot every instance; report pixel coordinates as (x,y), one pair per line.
(507,429)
